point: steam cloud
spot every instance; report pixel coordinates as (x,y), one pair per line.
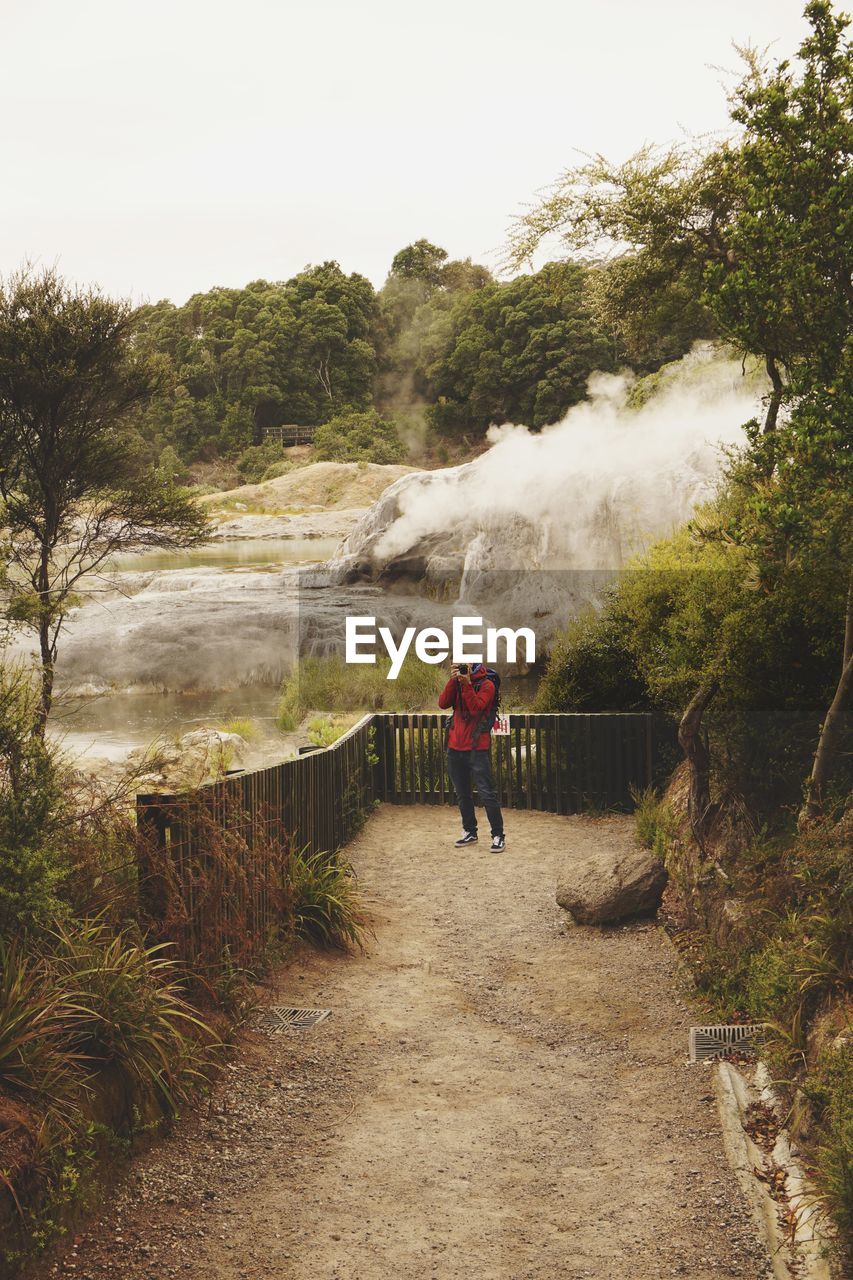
(587,493)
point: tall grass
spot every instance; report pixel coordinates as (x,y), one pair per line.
(331,684)
(129,1009)
(37,1062)
(327,909)
(244,727)
(324,730)
(220,892)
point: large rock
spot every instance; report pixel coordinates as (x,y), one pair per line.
(612,885)
(198,757)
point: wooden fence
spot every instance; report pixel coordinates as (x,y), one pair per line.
(557,763)
(567,763)
(290,434)
(563,764)
(203,902)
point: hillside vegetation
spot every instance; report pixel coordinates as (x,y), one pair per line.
(424,364)
(738,629)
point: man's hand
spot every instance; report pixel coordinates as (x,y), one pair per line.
(459,675)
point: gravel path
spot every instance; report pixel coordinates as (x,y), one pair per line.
(498,1094)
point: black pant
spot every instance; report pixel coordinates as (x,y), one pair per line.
(462,767)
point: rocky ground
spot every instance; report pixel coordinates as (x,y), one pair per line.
(498,1093)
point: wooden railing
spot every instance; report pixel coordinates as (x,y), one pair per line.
(291,433)
(558,763)
(316,799)
(208,902)
(213,863)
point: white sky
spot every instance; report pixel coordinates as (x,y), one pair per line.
(161,148)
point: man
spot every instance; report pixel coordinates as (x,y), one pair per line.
(471,696)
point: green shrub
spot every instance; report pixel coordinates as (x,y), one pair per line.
(591,667)
(129,1008)
(333,685)
(324,730)
(654,821)
(771,987)
(327,909)
(276,469)
(692,609)
(170,468)
(254,461)
(35,1013)
(33,811)
(359,437)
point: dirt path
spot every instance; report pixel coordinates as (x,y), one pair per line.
(498,1094)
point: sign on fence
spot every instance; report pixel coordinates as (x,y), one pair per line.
(501,729)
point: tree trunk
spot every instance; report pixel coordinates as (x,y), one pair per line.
(698,755)
(46,697)
(829,741)
(775,401)
(47,650)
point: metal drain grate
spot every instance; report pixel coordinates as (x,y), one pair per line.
(277,1019)
(707,1043)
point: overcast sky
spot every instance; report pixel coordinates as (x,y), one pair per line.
(160,148)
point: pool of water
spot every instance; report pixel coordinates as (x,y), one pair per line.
(112,725)
(254,553)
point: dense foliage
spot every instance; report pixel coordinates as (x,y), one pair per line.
(691,610)
(516,352)
(237,360)
(441,338)
(359,437)
(742,620)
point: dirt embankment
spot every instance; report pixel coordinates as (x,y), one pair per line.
(498,1094)
(326,486)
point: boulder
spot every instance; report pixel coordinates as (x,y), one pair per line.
(614,885)
(197,757)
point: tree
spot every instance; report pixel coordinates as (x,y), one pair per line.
(33,801)
(74,485)
(235,361)
(832,729)
(411,320)
(799,526)
(760,228)
(521,352)
(420,261)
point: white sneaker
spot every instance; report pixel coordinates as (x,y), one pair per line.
(467,837)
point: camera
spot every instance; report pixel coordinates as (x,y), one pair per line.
(463,668)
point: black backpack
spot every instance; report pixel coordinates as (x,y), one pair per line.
(487,721)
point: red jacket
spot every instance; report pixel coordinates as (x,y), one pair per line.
(469,705)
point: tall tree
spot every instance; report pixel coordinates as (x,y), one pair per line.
(420,261)
(519,352)
(75,489)
(760,229)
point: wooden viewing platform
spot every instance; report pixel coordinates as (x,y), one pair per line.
(289,434)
